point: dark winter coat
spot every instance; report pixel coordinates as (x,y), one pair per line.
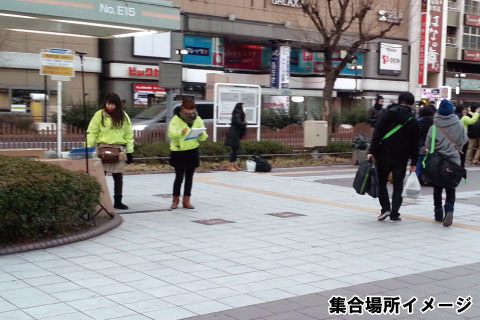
(424,123)
(237,129)
(373,114)
(403,144)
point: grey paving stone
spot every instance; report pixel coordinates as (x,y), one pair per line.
(248,313)
(289,316)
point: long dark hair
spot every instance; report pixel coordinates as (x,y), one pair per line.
(239,108)
(118,116)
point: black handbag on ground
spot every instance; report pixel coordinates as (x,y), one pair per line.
(262,165)
(440,171)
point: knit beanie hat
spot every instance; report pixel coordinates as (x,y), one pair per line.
(445,108)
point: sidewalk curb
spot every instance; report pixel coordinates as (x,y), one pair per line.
(80,236)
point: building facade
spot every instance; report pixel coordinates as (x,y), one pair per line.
(445,37)
(226,41)
(29,26)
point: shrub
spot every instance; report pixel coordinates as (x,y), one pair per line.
(354,116)
(279,118)
(152,150)
(21,121)
(336,146)
(210,148)
(263,147)
(72,113)
(38,199)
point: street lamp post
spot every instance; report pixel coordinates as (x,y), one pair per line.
(181,53)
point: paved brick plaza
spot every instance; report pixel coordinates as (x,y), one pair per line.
(323,242)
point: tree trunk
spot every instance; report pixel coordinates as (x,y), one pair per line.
(327,98)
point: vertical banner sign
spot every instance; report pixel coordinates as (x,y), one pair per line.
(284,71)
(280,76)
(435,35)
(423,43)
(274,80)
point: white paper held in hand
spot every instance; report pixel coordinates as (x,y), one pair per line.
(195,133)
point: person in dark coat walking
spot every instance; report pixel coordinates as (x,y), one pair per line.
(425,121)
(391,150)
(237,130)
(375,111)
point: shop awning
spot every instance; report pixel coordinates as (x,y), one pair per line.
(90,18)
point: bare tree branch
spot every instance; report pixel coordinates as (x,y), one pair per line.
(342,18)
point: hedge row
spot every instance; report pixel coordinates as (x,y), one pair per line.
(210,148)
(38,199)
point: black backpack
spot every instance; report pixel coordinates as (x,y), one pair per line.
(262,165)
(360,142)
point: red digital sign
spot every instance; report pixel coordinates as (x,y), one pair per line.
(243,56)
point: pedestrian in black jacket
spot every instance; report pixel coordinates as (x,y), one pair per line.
(425,121)
(375,111)
(237,130)
(391,151)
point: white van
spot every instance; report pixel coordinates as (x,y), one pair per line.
(155,116)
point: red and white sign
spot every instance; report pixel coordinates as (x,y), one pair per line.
(143,72)
(148,87)
(471,55)
(136,71)
(390,58)
(471,20)
(422,52)
(435,35)
(141,93)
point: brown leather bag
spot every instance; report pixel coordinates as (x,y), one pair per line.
(109,154)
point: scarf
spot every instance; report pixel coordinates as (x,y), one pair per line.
(188,118)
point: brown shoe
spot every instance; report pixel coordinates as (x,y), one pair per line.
(186,203)
(231,166)
(175,201)
(237,167)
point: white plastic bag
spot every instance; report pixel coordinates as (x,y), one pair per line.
(412,188)
(251,165)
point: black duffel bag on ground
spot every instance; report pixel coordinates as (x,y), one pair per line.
(262,165)
(437,170)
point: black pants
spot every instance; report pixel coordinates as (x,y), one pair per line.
(181,172)
(398,169)
(117,184)
(437,201)
(233,154)
(463,155)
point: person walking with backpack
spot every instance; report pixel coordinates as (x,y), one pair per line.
(237,130)
(111,127)
(449,138)
(394,142)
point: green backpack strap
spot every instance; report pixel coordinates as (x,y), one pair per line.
(432,144)
(397,127)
